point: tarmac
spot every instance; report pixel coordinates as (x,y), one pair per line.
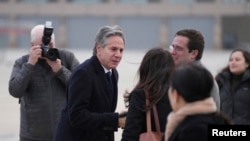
(214,60)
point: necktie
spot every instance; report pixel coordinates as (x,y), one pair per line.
(111,88)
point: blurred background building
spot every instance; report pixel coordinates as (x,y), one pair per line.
(146,23)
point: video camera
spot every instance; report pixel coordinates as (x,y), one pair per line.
(47,51)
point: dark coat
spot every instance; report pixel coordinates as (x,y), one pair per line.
(195,127)
(136,116)
(235,104)
(89,111)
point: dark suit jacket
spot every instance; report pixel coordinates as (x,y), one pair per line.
(89,111)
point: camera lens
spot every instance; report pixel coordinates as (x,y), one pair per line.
(52,54)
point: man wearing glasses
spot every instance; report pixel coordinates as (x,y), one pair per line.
(188,46)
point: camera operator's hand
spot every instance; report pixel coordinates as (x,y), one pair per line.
(55,65)
(35,54)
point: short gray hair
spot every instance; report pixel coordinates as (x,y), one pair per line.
(38,29)
(104,33)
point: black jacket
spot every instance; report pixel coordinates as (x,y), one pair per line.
(195,127)
(136,116)
(235,104)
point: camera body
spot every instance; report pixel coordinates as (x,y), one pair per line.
(50,53)
(47,51)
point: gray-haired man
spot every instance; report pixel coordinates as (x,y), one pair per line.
(89,114)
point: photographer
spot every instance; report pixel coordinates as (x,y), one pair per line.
(39,80)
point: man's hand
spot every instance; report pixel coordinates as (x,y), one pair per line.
(121,122)
(122,118)
(34,54)
(55,65)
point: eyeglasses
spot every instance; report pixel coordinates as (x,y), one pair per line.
(175,48)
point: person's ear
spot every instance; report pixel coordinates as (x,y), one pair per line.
(52,44)
(98,48)
(194,53)
(247,65)
(175,96)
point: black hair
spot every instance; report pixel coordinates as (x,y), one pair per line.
(192,81)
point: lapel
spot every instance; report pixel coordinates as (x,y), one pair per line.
(104,84)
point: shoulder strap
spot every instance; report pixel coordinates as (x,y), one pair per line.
(148,117)
(157,124)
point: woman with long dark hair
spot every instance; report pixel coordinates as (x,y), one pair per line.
(153,74)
